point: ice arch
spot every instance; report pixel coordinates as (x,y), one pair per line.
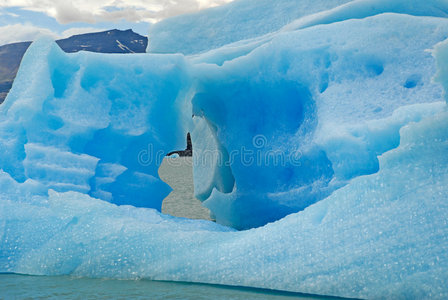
(101,125)
(245,123)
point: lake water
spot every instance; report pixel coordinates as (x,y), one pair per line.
(14,286)
(177,172)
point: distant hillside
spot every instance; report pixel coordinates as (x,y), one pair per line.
(111,41)
(10,57)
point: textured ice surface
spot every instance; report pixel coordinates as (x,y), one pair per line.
(94,124)
(242,20)
(347,102)
(296,120)
(238,20)
(274,130)
(383,235)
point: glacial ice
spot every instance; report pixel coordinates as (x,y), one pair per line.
(381,236)
(79,123)
(311,116)
(246,22)
(239,20)
(340,125)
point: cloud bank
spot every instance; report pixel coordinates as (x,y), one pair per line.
(89,11)
(27,32)
(22,32)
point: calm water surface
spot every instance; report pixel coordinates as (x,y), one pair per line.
(14,286)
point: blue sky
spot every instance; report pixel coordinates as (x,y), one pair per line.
(23,20)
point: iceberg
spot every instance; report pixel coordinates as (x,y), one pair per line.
(325,138)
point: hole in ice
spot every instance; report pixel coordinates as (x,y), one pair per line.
(324,83)
(412,81)
(177,171)
(54,122)
(374,67)
(378,109)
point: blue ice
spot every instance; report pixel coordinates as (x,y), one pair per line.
(324,135)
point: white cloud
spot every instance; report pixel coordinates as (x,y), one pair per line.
(22,32)
(112,10)
(9,14)
(27,32)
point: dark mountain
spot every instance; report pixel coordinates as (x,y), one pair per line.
(10,57)
(111,41)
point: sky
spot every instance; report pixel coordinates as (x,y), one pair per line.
(25,20)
